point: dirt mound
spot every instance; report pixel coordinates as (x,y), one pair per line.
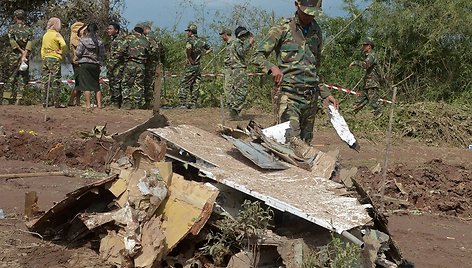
(73,153)
(434,186)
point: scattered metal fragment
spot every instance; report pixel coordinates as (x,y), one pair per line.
(256,154)
(341,127)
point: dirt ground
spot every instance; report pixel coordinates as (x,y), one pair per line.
(431,225)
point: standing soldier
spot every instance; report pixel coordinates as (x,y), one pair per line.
(236,78)
(115,64)
(195,49)
(156,57)
(20,42)
(136,54)
(297,45)
(371,81)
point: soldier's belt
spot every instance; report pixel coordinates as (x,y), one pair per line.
(302,91)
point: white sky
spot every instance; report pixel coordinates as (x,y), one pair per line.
(167,13)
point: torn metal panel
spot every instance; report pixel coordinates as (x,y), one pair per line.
(146,188)
(195,158)
(131,136)
(93,221)
(346,176)
(190,205)
(152,241)
(341,127)
(117,187)
(325,164)
(235,133)
(110,247)
(277,132)
(287,154)
(380,222)
(75,202)
(122,216)
(256,154)
(294,190)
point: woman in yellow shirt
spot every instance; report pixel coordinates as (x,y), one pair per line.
(52,49)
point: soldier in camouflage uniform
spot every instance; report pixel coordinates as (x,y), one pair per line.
(136,53)
(236,78)
(20,37)
(115,63)
(195,49)
(297,44)
(156,57)
(371,81)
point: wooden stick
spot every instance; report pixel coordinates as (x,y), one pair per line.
(222,107)
(403,80)
(387,151)
(33,233)
(47,99)
(31,204)
(156,106)
(35,174)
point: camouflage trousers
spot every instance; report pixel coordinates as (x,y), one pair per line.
(17,80)
(190,85)
(300,110)
(235,88)
(51,66)
(114,80)
(368,96)
(149,76)
(133,86)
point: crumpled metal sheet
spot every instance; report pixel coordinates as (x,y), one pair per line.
(341,127)
(255,152)
(277,132)
(294,190)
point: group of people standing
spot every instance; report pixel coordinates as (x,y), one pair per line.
(87,52)
(132,61)
(131,66)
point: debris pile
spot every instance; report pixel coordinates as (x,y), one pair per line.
(183,197)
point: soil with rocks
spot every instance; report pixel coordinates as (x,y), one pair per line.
(434,186)
(432,226)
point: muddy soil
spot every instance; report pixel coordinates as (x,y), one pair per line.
(434,180)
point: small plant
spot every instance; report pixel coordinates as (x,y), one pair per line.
(343,255)
(242,232)
(336,254)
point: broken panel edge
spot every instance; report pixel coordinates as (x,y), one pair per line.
(282,206)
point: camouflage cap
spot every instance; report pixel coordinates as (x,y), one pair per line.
(310,7)
(241,31)
(368,41)
(225,30)
(19,13)
(145,25)
(191,28)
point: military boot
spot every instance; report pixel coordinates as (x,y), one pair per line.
(126,105)
(234,115)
